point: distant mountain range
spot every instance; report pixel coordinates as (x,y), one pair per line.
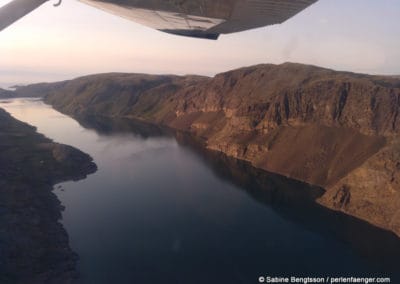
(338,130)
(6,93)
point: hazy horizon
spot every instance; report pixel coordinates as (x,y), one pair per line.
(53,44)
(49,78)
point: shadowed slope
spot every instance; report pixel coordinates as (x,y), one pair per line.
(34,246)
(317,125)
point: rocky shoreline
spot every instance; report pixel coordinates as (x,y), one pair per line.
(34,246)
(292,199)
(336,130)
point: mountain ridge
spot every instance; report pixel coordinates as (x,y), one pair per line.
(335,129)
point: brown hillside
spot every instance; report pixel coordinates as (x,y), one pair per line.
(317,125)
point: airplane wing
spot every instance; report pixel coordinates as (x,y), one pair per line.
(16,9)
(203,18)
(194,18)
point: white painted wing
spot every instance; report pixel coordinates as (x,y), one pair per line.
(195,18)
(203,18)
(16,9)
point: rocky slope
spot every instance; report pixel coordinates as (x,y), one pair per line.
(337,130)
(5,94)
(34,246)
(33,90)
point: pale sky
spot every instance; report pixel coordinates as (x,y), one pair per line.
(75,39)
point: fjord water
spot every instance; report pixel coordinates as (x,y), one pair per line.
(160,209)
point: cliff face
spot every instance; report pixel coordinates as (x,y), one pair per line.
(338,130)
(33,244)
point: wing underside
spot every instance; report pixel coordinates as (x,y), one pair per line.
(203,18)
(195,18)
(16,9)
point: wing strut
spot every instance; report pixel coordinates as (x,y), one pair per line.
(58,3)
(16,9)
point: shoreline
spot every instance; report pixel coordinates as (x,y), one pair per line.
(292,199)
(92,122)
(368,240)
(33,243)
(334,129)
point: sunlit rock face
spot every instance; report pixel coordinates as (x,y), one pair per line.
(203,18)
(338,130)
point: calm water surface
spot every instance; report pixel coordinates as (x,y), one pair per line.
(161,210)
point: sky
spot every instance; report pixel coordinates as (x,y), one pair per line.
(57,43)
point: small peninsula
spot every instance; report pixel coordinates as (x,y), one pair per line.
(34,246)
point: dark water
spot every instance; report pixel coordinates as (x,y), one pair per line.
(161,209)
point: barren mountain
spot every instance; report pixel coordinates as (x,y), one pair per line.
(338,130)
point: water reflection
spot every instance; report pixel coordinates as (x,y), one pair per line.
(163,209)
(295,201)
(107,127)
(291,199)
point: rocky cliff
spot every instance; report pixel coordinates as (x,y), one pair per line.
(338,130)
(34,246)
